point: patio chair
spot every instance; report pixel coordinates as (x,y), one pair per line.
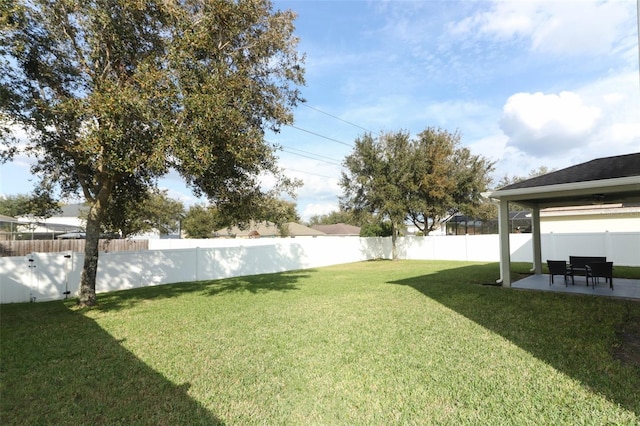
(599,270)
(559,267)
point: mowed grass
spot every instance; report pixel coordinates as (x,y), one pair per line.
(381,342)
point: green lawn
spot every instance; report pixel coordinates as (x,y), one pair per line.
(382,342)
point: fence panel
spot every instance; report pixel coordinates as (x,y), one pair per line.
(48,275)
(24,247)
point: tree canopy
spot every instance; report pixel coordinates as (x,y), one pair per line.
(37,205)
(422,180)
(339,216)
(154,211)
(115,94)
(201,221)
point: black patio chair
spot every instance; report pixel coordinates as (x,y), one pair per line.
(559,267)
(599,270)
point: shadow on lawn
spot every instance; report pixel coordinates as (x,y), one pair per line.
(124,299)
(60,367)
(575,334)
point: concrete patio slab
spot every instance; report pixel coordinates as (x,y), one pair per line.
(622,288)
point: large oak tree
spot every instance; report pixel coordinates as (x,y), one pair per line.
(116,93)
(422,180)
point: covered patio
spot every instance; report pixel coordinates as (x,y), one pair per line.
(601,181)
(622,288)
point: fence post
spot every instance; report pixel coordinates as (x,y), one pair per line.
(67,269)
(466,246)
(197,263)
(31,265)
(552,245)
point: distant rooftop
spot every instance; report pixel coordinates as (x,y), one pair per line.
(338,229)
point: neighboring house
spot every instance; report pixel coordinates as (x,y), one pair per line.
(268,230)
(573,219)
(459,224)
(8,226)
(338,229)
(63,222)
(68,223)
(594,218)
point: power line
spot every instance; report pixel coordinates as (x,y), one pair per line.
(311,155)
(322,136)
(310,173)
(313,158)
(337,118)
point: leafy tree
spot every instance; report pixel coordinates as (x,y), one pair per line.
(37,205)
(423,180)
(115,94)
(376,229)
(280,212)
(14,205)
(338,216)
(201,221)
(155,211)
(447,179)
(378,173)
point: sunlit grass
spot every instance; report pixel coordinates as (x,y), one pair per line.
(403,342)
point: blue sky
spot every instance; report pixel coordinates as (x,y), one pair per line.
(526,83)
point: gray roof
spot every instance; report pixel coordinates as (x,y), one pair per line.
(338,229)
(268,229)
(72,210)
(601,181)
(8,219)
(598,169)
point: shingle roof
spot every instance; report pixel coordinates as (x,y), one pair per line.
(8,219)
(72,210)
(338,229)
(598,169)
(269,230)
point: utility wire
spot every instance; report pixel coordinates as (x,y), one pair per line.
(338,118)
(313,158)
(311,155)
(322,136)
(310,173)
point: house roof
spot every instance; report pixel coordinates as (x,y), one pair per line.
(601,168)
(269,229)
(338,229)
(600,181)
(72,210)
(8,219)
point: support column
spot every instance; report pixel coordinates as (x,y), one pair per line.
(505,250)
(536,241)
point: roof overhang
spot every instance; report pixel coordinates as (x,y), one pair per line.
(616,190)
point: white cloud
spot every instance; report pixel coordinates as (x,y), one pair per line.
(561,27)
(599,119)
(543,125)
(318,209)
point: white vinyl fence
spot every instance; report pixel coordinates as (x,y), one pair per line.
(46,276)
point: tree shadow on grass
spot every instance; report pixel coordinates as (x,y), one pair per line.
(60,367)
(576,334)
(281,281)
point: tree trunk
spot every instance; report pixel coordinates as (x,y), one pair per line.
(87,296)
(394,238)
